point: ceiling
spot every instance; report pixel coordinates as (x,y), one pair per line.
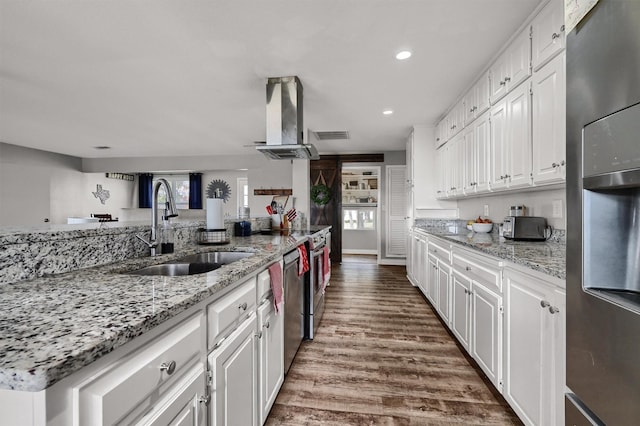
(185,77)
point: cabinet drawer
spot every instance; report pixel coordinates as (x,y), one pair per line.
(133,382)
(439,251)
(225,314)
(483,271)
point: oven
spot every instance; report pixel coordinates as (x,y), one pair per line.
(314,299)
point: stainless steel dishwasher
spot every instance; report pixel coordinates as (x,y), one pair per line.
(293,307)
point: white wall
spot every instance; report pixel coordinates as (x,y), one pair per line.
(538,203)
(273,174)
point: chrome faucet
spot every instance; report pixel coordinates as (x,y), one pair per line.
(170,211)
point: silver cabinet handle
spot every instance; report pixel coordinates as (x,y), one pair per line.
(169,367)
(555,36)
(502,83)
(266,325)
(554,165)
(507,79)
(553,309)
(470,109)
(562,163)
(544,303)
(243,306)
(204,400)
(468,268)
(259,334)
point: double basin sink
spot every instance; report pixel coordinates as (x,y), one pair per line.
(199,263)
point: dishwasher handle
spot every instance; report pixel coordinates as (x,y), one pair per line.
(291,257)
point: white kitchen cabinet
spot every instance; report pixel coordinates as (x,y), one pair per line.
(443,173)
(397,227)
(183,407)
(129,388)
(549,122)
(234,370)
(455,119)
(270,356)
(534,348)
(486,332)
(461,309)
(476,101)
(421,259)
(441,136)
(547,33)
(444,290)
(433,292)
(512,67)
(477,158)
(511,140)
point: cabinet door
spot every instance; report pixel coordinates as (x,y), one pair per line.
(559,345)
(548,37)
(433,292)
(498,122)
(482,90)
(482,153)
(271,356)
(549,122)
(419,268)
(470,161)
(444,285)
(486,339)
(460,314)
(519,60)
(234,368)
(519,137)
(527,348)
(498,84)
(181,407)
(441,171)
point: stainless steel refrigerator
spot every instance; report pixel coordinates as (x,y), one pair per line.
(603,211)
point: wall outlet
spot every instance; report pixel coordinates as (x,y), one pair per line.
(557,209)
(486,210)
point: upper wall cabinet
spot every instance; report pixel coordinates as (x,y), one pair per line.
(512,67)
(476,101)
(548,36)
(549,131)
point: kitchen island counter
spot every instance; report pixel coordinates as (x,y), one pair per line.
(547,257)
(53,326)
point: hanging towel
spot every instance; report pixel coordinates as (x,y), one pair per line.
(326,266)
(303,263)
(275,271)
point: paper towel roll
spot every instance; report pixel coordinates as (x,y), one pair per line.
(215,215)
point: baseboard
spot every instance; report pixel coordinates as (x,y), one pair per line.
(359,251)
(388,261)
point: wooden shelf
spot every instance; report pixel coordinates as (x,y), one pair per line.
(272,192)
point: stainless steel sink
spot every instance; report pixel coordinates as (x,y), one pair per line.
(217,257)
(193,264)
(176,269)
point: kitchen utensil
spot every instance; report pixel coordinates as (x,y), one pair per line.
(269,210)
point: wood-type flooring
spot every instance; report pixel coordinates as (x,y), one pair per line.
(382,357)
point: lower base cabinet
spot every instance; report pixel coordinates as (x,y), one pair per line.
(534,348)
(486,332)
(270,356)
(461,309)
(234,388)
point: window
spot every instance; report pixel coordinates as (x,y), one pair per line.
(359,219)
(179,185)
(243,192)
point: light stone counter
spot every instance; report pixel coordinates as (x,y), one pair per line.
(54,325)
(548,257)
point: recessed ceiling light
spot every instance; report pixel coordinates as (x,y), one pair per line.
(102,147)
(387,112)
(405,54)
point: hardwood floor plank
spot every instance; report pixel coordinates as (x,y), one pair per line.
(381,356)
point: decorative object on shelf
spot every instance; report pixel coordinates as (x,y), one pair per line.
(219,184)
(102,194)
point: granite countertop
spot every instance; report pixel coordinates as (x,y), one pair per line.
(544,256)
(53,326)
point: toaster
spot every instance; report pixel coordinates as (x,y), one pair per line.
(525,228)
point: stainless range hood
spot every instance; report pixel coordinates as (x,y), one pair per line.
(284,121)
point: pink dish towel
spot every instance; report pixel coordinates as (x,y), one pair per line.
(275,271)
(326,266)
(303,264)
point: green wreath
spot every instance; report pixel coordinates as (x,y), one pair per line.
(320,194)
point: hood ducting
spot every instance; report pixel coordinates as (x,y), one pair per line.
(285,130)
